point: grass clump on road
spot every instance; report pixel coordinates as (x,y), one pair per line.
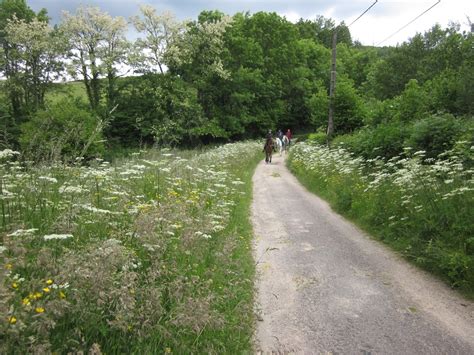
(148,255)
(422,207)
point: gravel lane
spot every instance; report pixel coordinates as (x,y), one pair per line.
(326,287)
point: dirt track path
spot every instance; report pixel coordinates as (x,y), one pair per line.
(325,287)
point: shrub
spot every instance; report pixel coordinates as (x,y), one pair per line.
(464,143)
(63,131)
(349,111)
(414,102)
(318,138)
(385,140)
(381,111)
(318,105)
(435,134)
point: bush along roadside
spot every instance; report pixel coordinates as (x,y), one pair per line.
(148,255)
(423,207)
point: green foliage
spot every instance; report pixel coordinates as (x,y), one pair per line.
(413,103)
(435,134)
(384,140)
(318,105)
(381,111)
(8,128)
(464,143)
(423,58)
(464,87)
(321,31)
(318,138)
(159,109)
(63,131)
(443,91)
(22,48)
(235,77)
(349,109)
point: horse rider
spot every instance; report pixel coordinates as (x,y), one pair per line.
(288,135)
(280,134)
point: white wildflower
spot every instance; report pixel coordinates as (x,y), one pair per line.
(8,153)
(23,232)
(98,210)
(48,179)
(70,189)
(57,236)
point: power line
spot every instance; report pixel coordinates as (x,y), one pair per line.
(362,14)
(409,23)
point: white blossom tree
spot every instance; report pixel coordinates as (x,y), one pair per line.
(38,50)
(161,32)
(201,46)
(97,47)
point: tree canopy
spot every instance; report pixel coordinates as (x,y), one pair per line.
(222,77)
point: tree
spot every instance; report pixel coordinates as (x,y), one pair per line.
(161,31)
(196,53)
(9,66)
(349,112)
(37,49)
(318,104)
(413,102)
(97,46)
(196,56)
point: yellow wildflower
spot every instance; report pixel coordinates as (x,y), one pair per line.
(15,285)
(62,295)
(26,301)
(46,289)
(12,319)
(39,309)
(8,266)
(37,295)
(49,282)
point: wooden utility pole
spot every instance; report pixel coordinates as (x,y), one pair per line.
(332,87)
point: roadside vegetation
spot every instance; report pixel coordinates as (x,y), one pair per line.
(151,254)
(421,206)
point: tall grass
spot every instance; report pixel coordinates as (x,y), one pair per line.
(148,255)
(424,208)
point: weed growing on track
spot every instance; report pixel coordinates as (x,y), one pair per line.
(149,255)
(424,208)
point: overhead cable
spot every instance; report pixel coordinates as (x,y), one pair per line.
(362,14)
(409,23)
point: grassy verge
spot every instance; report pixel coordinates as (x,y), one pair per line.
(148,255)
(424,211)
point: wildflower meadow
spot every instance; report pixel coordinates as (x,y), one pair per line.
(150,254)
(423,207)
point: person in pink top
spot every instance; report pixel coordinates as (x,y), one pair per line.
(288,134)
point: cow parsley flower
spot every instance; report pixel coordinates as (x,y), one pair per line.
(57,236)
(48,179)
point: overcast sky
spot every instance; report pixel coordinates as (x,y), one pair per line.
(385,18)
